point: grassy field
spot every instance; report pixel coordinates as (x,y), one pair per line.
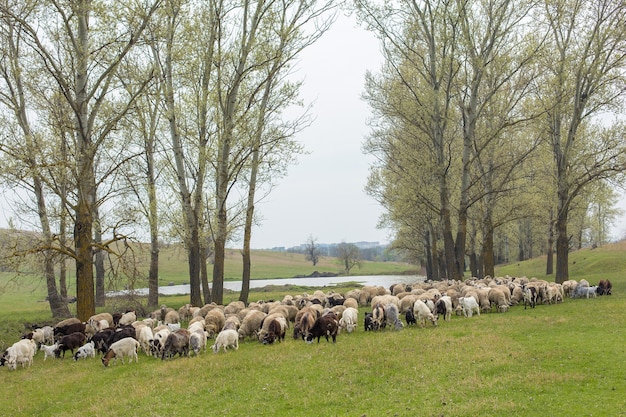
(558,360)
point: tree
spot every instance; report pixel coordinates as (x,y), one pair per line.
(349,256)
(82,55)
(311,251)
(583,69)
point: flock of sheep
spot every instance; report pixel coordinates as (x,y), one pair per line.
(314,316)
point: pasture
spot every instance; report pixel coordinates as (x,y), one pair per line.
(567,359)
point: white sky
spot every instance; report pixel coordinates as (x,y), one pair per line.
(323,195)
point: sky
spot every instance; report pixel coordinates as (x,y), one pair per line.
(323,195)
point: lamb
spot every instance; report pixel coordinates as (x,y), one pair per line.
(423,312)
(225,339)
(469,305)
(49,350)
(349,319)
(126,347)
(21,352)
(87,350)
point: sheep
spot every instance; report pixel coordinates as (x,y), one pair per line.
(349,319)
(351,302)
(275,330)
(265,327)
(197,341)
(378,317)
(324,326)
(423,312)
(70,342)
(171,317)
(100,339)
(127,318)
(126,347)
(67,322)
(444,306)
(234,307)
(21,352)
(232,322)
(97,318)
(145,339)
(496,297)
(410,317)
(469,305)
(85,351)
(530,296)
(43,335)
(173,326)
(184,312)
(68,329)
(158,341)
(225,339)
(251,323)
(304,322)
(176,342)
(49,350)
(391,316)
(214,321)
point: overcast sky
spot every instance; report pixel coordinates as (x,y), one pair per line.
(323,195)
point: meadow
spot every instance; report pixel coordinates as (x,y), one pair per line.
(567,359)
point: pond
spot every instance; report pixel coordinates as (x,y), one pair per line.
(382,280)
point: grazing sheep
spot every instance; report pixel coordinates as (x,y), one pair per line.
(265,327)
(127,318)
(214,322)
(275,330)
(351,302)
(251,323)
(158,342)
(378,317)
(423,312)
(21,352)
(410,317)
(225,339)
(304,322)
(70,342)
(145,339)
(443,306)
(87,350)
(349,319)
(605,287)
(49,350)
(368,322)
(171,317)
(392,317)
(324,326)
(101,338)
(469,305)
(530,296)
(176,343)
(197,341)
(126,347)
(497,298)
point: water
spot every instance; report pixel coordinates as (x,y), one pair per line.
(382,280)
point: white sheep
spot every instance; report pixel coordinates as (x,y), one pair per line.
(145,339)
(225,339)
(469,305)
(87,350)
(49,350)
(128,318)
(21,352)
(126,347)
(423,312)
(349,319)
(197,341)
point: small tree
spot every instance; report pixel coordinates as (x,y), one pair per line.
(349,256)
(311,250)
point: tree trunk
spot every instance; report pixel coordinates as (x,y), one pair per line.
(85,300)
(204,275)
(562,248)
(99,261)
(487,253)
(429,256)
(193,258)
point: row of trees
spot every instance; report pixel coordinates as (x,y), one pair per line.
(119,117)
(494,120)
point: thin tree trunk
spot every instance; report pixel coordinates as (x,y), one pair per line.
(99,260)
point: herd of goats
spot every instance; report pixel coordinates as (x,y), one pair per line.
(162,334)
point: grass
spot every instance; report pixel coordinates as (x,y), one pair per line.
(559,360)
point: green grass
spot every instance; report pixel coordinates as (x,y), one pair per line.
(558,360)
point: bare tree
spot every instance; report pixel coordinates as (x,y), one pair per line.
(311,250)
(349,256)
